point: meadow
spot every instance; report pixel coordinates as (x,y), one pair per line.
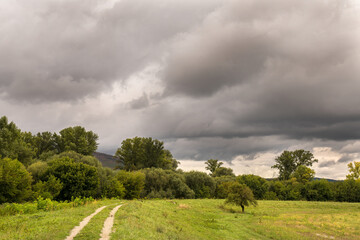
(193,219)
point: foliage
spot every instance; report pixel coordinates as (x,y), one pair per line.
(318,190)
(76,139)
(41,204)
(79,158)
(288,162)
(240,195)
(78,179)
(161,183)
(303,174)
(258,185)
(347,191)
(132,181)
(113,189)
(12,144)
(48,189)
(38,170)
(223,171)
(212,165)
(138,153)
(354,169)
(202,184)
(222,186)
(15,181)
(41,143)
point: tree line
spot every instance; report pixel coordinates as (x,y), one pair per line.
(60,166)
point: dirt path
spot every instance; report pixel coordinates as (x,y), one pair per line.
(83,223)
(108,224)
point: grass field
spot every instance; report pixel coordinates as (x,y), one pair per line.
(194,219)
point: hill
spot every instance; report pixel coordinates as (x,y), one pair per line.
(106,159)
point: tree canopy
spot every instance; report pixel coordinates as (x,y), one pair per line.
(354,171)
(138,153)
(241,195)
(212,165)
(15,181)
(288,162)
(76,139)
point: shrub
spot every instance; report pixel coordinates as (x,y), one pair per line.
(15,181)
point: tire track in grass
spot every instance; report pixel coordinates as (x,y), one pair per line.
(82,224)
(108,224)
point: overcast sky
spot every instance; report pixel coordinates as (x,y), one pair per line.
(238,81)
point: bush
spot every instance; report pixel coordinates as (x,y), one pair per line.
(161,183)
(15,181)
(258,185)
(318,190)
(133,182)
(78,179)
(202,184)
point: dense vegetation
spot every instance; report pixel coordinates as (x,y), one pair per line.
(61,167)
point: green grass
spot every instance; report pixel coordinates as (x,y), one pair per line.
(50,225)
(208,219)
(193,219)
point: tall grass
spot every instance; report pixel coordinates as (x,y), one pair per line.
(41,204)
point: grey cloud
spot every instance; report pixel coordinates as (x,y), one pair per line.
(327,164)
(45,42)
(345,159)
(225,148)
(140,103)
(277,68)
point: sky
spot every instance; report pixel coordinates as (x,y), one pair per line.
(238,81)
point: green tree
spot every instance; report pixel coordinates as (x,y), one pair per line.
(303,174)
(240,195)
(288,162)
(113,188)
(43,143)
(48,189)
(201,183)
(354,169)
(12,144)
(78,179)
(76,139)
(132,181)
(138,153)
(258,185)
(160,183)
(212,165)
(319,190)
(223,171)
(15,181)
(222,186)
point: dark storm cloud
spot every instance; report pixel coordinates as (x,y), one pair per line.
(65,50)
(285,68)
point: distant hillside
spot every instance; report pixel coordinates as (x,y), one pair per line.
(329,180)
(106,159)
(315,178)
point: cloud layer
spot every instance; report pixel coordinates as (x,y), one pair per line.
(240,81)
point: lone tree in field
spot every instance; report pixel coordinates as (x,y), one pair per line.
(289,161)
(212,165)
(240,195)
